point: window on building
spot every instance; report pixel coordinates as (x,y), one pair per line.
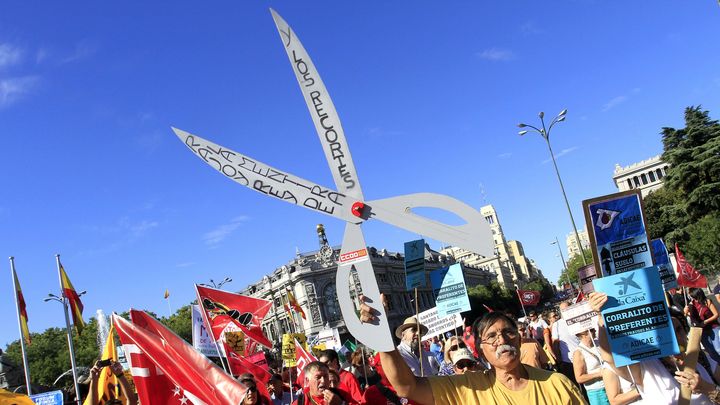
(490,220)
(659,174)
(651,175)
(382,277)
(637,181)
(630,185)
(332,307)
(644,178)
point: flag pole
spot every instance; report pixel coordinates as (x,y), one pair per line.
(22,335)
(69,332)
(417,323)
(211,333)
(517,292)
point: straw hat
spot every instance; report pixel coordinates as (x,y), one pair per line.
(410,323)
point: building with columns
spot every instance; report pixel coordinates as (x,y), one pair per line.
(312,279)
(646,175)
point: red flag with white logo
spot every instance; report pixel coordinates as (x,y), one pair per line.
(167,370)
(579,297)
(687,275)
(302,357)
(529,297)
(221,308)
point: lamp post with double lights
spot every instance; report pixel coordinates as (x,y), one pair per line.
(545,133)
(63,300)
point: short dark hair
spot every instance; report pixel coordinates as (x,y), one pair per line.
(330,354)
(315,365)
(482,324)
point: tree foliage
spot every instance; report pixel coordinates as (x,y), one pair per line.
(687,209)
(576,262)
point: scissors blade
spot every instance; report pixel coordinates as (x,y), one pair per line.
(354,254)
(322,110)
(268,180)
(475,235)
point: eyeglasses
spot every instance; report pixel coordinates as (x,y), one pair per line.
(252,389)
(507,333)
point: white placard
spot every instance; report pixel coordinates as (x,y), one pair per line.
(201,340)
(437,325)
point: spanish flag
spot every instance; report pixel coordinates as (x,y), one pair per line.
(22,312)
(167,293)
(76,306)
(294,304)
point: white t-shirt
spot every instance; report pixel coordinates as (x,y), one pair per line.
(568,342)
(660,387)
(537,327)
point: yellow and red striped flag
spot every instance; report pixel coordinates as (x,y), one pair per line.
(76,306)
(22,311)
(294,304)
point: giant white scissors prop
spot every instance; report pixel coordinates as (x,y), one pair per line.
(347,202)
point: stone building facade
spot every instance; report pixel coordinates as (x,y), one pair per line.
(312,279)
(646,175)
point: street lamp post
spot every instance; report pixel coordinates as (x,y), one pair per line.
(560,251)
(217,285)
(545,133)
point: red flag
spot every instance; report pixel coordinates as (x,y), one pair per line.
(239,365)
(687,275)
(167,370)
(73,300)
(529,297)
(302,357)
(488,308)
(221,308)
(580,297)
(469,340)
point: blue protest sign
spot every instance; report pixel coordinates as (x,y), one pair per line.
(662,261)
(448,284)
(415,264)
(48,398)
(618,234)
(637,319)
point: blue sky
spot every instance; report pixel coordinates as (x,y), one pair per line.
(429,94)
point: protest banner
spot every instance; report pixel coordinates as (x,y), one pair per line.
(288,347)
(637,319)
(617,233)
(330,337)
(586,275)
(450,292)
(235,341)
(415,264)
(437,325)
(579,317)
(662,261)
(201,340)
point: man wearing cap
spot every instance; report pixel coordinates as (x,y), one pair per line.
(408,348)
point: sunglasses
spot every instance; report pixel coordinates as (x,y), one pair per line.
(458,346)
(465,364)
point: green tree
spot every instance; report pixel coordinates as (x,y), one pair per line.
(494,296)
(576,262)
(687,209)
(180,322)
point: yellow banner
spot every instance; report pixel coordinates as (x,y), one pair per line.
(288,347)
(108,385)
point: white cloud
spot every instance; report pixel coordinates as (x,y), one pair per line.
(15,88)
(561,153)
(9,55)
(185,264)
(219,234)
(82,50)
(496,55)
(505,155)
(530,28)
(615,101)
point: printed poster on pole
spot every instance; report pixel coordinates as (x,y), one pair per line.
(201,340)
(415,264)
(617,232)
(586,275)
(437,325)
(662,260)
(448,284)
(579,317)
(637,319)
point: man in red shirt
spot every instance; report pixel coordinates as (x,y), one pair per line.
(317,387)
(348,382)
